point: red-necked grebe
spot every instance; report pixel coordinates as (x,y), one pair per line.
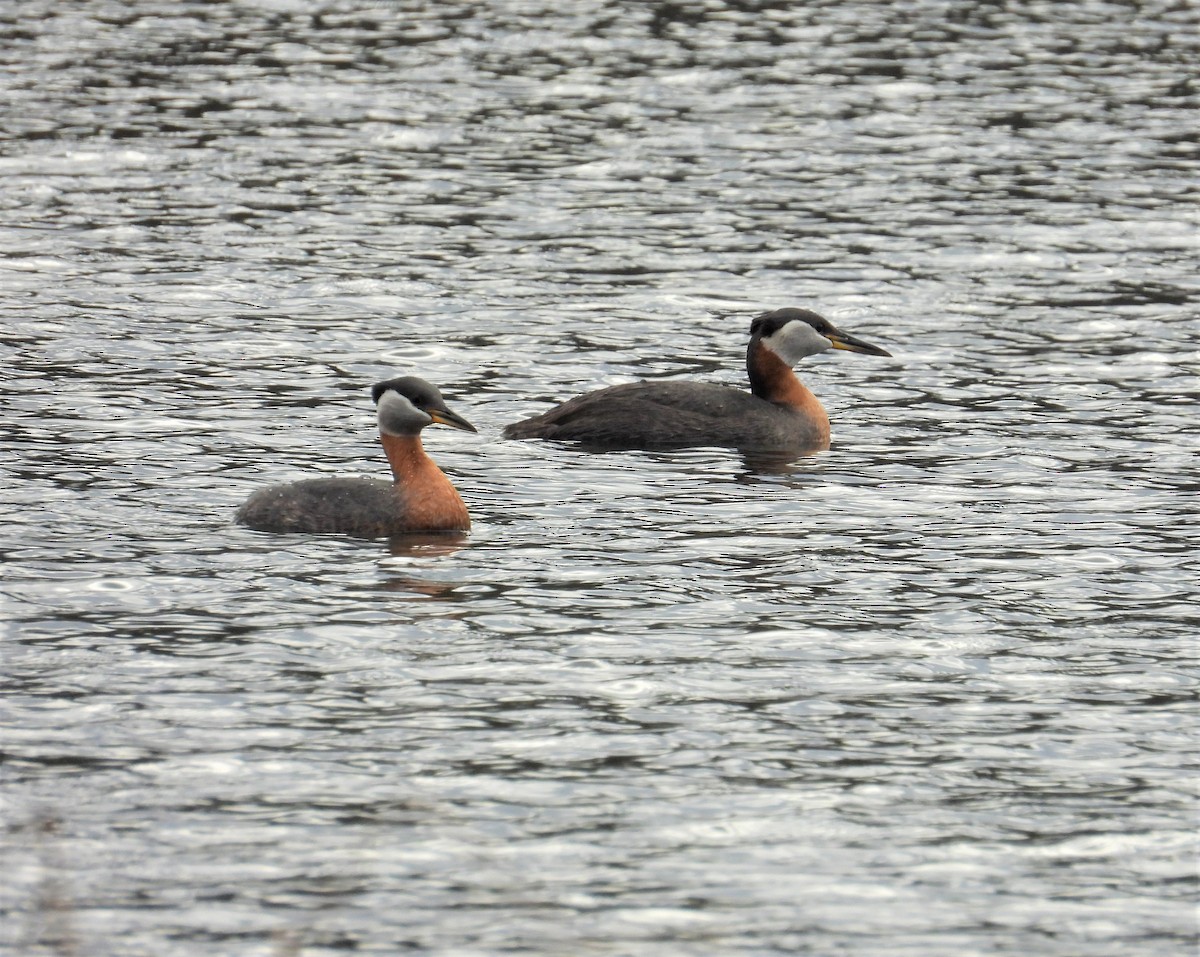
(778,414)
(420,497)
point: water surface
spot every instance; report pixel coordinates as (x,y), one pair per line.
(929,693)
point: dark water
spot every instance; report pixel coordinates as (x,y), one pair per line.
(930,693)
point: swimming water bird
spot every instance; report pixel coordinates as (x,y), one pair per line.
(420,498)
(778,414)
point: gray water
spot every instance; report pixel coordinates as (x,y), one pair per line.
(929,693)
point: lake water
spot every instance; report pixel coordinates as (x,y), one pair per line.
(931,693)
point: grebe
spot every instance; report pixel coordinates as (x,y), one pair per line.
(419,498)
(777,414)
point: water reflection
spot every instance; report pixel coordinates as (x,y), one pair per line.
(427,545)
(420,549)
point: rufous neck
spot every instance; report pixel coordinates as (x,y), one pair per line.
(405,455)
(431,501)
(772,379)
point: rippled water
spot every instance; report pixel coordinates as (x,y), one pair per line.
(930,693)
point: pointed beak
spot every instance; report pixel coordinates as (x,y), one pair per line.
(453,419)
(849,343)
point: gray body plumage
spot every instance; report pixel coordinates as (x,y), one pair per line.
(670,415)
(365,508)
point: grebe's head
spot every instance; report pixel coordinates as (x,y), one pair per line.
(408,404)
(793,334)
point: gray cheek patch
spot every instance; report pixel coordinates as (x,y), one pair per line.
(398,416)
(795,341)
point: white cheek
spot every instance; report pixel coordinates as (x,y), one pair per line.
(796,340)
(398,416)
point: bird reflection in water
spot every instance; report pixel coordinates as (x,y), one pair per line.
(421,545)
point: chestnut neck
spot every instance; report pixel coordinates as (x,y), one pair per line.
(772,379)
(405,455)
(431,501)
